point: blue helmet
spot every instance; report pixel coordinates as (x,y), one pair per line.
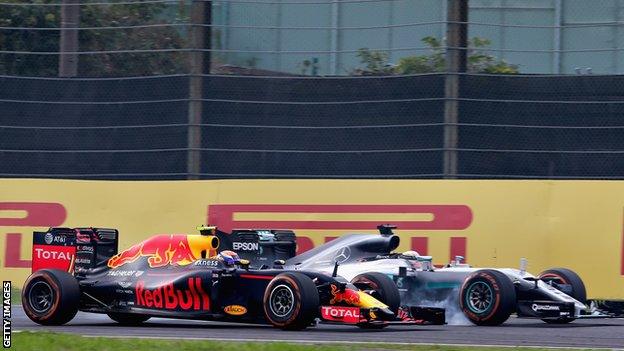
(228,257)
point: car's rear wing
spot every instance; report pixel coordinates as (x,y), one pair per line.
(261,247)
(73,249)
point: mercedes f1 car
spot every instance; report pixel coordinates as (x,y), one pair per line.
(185,276)
(486,296)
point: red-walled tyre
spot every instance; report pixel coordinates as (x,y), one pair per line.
(487,297)
(291,301)
(568,277)
(51,297)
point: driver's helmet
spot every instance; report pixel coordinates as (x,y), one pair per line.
(229,258)
(410,255)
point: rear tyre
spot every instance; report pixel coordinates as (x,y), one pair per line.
(487,297)
(128,318)
(381,287)
(291,301)
(556,276)
(51,297)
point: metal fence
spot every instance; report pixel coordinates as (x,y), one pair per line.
(161,89)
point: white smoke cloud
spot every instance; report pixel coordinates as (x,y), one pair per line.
(449,300)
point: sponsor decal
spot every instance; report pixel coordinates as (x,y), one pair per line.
(207,263)
(124,284)
(84,248)
(193,297)
(116,273)
(83,260)
(60,239)
(162,250)
(53,256)
(340,313)
(242,246)
(349,296)
(6,314)
(235,310)
(535,307)
(342,254)
(49,238)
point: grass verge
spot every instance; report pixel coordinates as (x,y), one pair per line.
(16,296)
(37,341)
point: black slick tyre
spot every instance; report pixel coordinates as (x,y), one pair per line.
(381,287)
(556,276)
(51,297)
(487,297)
(128,318)
(291,301)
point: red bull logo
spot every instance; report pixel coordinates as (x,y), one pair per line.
(348,296)
(162,250)
(168,297)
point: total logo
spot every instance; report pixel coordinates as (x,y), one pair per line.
(245,246)
(535,307)
(52,255)
(340,312)
(193,297)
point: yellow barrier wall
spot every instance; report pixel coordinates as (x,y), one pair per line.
(575,224)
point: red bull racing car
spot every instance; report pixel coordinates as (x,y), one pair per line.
(184,276)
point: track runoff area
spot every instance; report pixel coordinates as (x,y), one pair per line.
(595,334)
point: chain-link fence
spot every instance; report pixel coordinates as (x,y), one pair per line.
(162,89)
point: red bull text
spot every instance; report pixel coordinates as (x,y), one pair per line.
(194,297)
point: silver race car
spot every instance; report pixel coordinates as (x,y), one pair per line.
(485,296)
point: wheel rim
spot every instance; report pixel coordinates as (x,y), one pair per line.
(479,297)
(40,297)
(282,300)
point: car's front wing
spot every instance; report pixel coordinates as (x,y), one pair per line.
(364,316)
(544,309)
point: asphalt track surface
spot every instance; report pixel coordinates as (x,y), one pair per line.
(601,333)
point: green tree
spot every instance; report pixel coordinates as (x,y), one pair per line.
(375,63)
(479,60)
(112,64)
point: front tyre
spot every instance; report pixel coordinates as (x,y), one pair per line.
(563,276)
(487,297)
(291,301)
(51,297)
(379,286)
(128,319)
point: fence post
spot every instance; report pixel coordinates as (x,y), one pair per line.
(68,46)
(199,65)
(456,59)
